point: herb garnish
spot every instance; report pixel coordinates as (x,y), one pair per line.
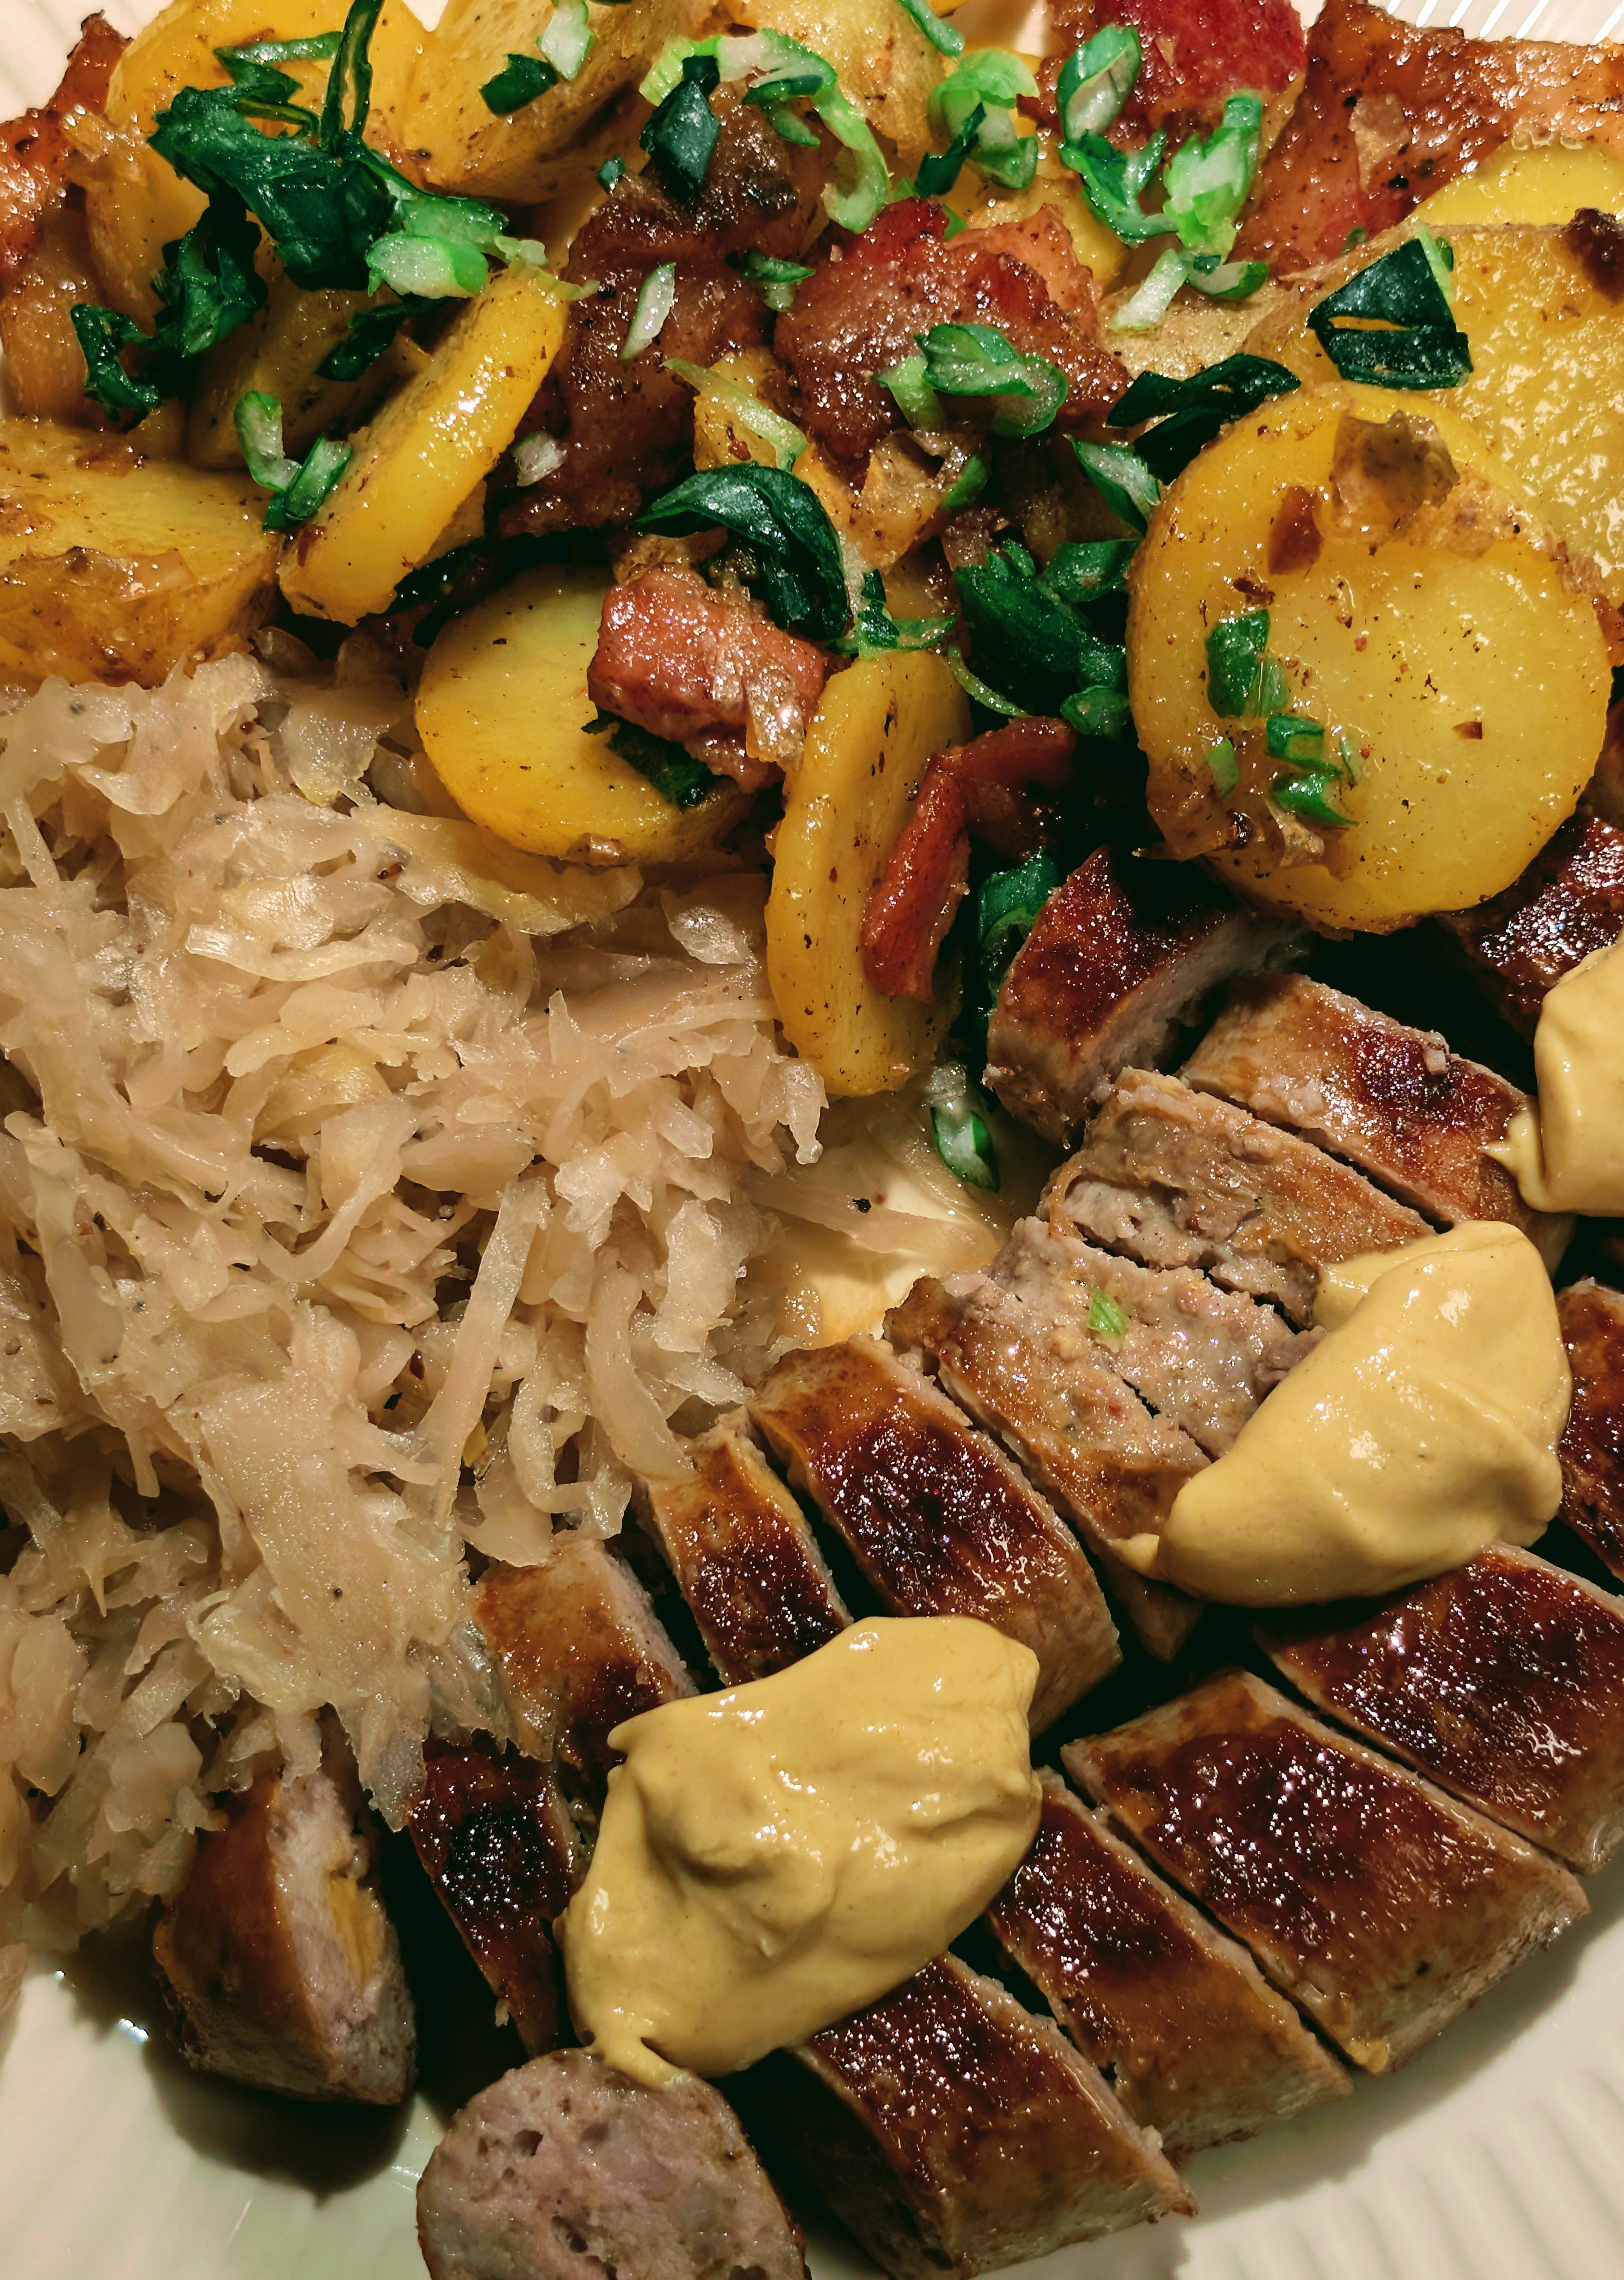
(963,1140)
(974,105)
(1025,637)
(675,774)
(1003,909)
(947,39)
(682,133)
(1190,413)
(520,81)
(1243,682)
(774,278)
(1122,480)
(794,559)
(297,489)
(982,361)
(873,628)
(1418,343)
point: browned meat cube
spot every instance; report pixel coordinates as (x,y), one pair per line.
(1376,1903)
(499,1847)
(566,2171)
(1592,1450)
(745,1559)
(940,1522)
(1568,902)
(281,1967)
(1202,1357)
(1002,2144)
(580,1648)
(1393,1100)
(1175,1178)
(1198,2046)
(1112,1467)
(1503,1680)
(1119,959)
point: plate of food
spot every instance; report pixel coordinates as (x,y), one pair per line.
(812,861)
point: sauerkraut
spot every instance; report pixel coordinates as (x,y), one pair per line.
(368,1192)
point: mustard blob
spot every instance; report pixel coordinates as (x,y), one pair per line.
(1423,1425)
(1570,1156)
(775,1857)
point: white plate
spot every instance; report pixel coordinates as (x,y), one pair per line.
(1497,2155)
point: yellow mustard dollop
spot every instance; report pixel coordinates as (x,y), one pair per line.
(1569,1157)
(775,1857)
(1422,1427)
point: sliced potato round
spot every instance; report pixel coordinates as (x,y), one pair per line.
(844,803)
(117,567)
(1429,621)
(1548,182)
(501,710)
(1547,343)
(434,441)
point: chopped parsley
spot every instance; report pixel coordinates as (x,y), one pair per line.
(792,555)
(873,628)
(1004,910)
(1243,682)
(1391,324)
(1122,480)
(519,82)
(1024,637)
(675,774)
(680,138)
(982,361)
(1294,736)
(1189,413)
(1308,796)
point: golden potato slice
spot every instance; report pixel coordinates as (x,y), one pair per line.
(501,710)
(885,64)
(278,353)
(463,146)
(1546,389)
(437,438)
(844,804)
(117,567)
(1546,184)
(134,202)
(1416,609)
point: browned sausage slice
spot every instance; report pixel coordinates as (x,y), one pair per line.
(281,1966)
(566,2171)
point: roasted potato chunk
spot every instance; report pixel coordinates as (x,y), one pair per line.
(463,146)
(844,803)
(432,444)
(1547,344)
(884,64)
(1548,183)
(502,711)
(117,567)
(1429,623)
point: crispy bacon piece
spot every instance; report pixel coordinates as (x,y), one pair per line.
(859,313)
(627,429)
(984,786)
(1389,115)
(693,665)
(33,150)
(1196,52)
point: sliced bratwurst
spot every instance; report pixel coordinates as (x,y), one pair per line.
(567,2171)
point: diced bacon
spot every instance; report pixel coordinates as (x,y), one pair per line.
(695,666)
(33,150)
(1389,114)
(984,786)
(859,313)
(1196,52)
(628,427)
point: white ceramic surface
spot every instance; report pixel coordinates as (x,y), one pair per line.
(1497,2155)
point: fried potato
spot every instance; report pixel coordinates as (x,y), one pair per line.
(117,567)
(1547,346)
(1547,184)
(278,353)
(135,202)
(844,803)
(435,439)
(463,146)
(884,63)
(501,710)
(1416,609)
